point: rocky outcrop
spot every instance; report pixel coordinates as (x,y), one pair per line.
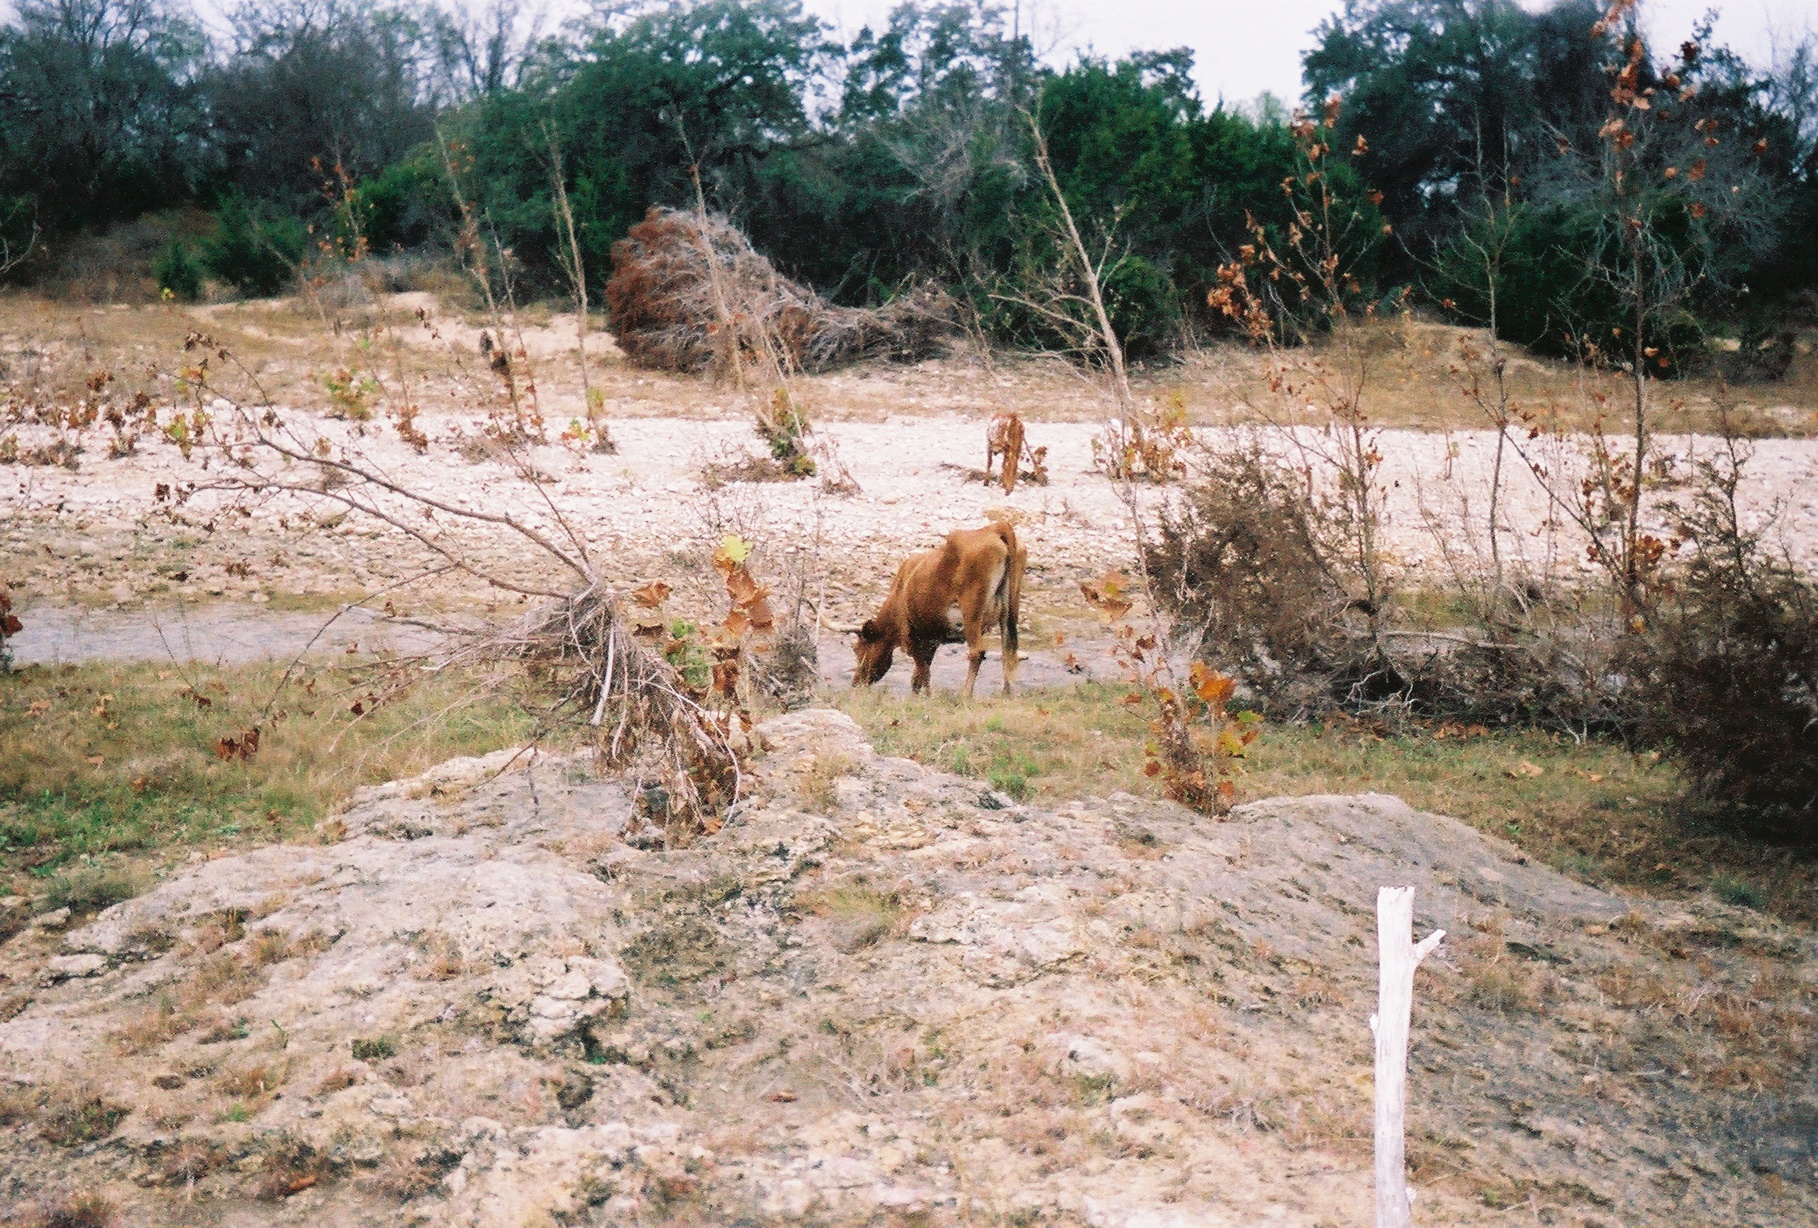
(879,994)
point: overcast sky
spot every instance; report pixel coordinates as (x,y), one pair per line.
(1243,47)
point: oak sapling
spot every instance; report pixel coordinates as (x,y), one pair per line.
(1194,742)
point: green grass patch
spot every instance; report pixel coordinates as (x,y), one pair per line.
(110,759)
(1591,809)
(374,1049)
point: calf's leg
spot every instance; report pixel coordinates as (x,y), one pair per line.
(921,651)
(972,616)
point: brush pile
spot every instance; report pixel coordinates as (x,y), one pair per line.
(692,294)
(647,717)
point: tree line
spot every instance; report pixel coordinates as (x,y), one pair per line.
(1464,152)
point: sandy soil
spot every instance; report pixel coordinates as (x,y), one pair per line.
(911,438)
(96,534)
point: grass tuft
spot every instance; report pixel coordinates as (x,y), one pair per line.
(861,916)
(90,1210)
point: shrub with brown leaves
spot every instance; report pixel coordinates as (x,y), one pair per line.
(1728,668)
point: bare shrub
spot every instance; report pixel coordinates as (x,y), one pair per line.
(670,270)
(595,671)
(1239,560)
(789,673)
(1195,742)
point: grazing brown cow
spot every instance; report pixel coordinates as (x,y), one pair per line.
(979,570)
(1005,436)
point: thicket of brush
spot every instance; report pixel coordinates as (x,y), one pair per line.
(1719,669)
(1727,669)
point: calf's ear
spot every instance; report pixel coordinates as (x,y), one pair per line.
(870,633)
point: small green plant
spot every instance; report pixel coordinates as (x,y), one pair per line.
(684,652)
(350,394)
(1009,782)
(374,1048)
(177,273)
(784,427)
(1737,892)
(1093,1089)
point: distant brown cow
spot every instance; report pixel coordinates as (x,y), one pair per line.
(979,570)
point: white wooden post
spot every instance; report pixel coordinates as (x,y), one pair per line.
(1399,957)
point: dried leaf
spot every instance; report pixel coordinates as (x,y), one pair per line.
(743,589)
(1106,595)
(651,595)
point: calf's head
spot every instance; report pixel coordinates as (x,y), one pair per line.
(872,653)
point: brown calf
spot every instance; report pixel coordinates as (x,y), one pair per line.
(979,570)
(1005,436)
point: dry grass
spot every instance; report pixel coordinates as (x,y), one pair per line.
(290,1167)
(817,785)
(1496,978)
(86,1210)
(442,958)
(52,347)
(231,970)
(339,1080)
(70,1115)
(254,1082)
(187,1161)
(1419,369)
(861,915)
(1592,810)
